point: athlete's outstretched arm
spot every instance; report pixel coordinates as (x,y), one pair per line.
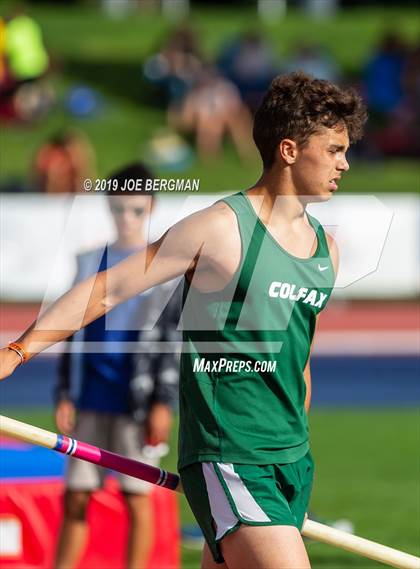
(172,255)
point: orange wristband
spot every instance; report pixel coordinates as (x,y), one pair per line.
(19,350)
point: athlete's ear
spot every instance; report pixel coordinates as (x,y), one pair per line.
(288,150)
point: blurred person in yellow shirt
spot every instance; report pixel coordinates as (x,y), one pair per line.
(26,55)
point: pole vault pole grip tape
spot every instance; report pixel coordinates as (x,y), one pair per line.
(66,445)
(106,459)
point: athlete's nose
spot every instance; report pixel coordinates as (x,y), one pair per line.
(343,165)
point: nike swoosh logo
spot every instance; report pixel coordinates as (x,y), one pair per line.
(322,268)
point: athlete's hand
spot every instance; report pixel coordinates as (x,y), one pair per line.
(9,360)
(158,424)
(65,416)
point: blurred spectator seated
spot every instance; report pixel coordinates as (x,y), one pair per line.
(63,162)
(212,109)
(176,67)
(316,61)
(248,61)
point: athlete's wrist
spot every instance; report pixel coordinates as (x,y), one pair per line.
(9,361)
(14,358)
(19,350)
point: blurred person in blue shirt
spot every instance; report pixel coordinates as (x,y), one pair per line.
(383,75)
(126,397)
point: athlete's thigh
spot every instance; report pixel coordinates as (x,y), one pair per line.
(265,547)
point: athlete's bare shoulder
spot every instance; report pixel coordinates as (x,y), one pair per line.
(217,243)
(209,224)
(221,224)
(218,216)
(221,217)
(200,233)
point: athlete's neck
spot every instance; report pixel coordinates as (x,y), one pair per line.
(276,199)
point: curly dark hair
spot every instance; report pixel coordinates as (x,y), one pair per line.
(298,105)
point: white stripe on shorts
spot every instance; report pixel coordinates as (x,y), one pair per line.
(244,502)
(221,510)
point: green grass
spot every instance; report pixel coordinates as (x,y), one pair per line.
(89,48)
(367,471)
(76,32)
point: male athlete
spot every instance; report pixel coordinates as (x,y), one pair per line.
(258,270)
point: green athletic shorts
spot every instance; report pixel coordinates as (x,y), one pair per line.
(223,496)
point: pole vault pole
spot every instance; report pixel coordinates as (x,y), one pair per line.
(160,477)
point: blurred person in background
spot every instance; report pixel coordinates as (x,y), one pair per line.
(200,100)
(26,62)
(399,136)
(126,399)
(2,51)
(212,109)
(63,163)
(392,81)
(315,60)
(27,57)
(249,62)
(383,77)
(177,66)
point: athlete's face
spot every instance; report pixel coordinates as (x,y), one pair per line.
(319,164)
(130,214)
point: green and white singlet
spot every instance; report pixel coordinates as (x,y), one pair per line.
(242,389)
